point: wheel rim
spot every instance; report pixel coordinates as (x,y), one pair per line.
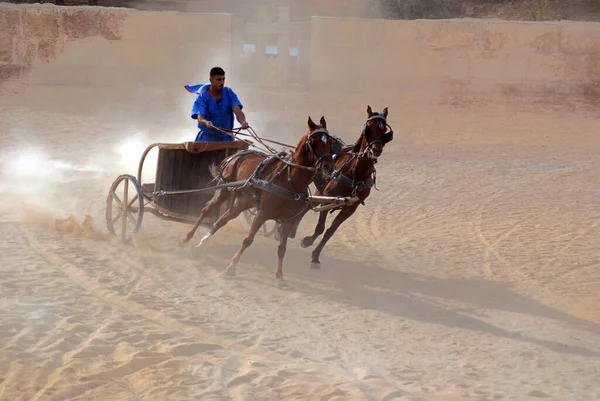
(124,207)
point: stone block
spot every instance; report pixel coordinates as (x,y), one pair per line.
(446,35)
(10,71)
(399,33)
(79,24)
(10,20)
(333,32)
(26,51)
(574,68)
(6,49)
(593,68)
(580,38)
(48,49)
(42,22)
(110,23)
(498,37)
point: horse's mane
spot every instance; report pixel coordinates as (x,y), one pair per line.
(358,143)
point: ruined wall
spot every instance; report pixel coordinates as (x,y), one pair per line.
(30,34)
(420,55)
(136,58)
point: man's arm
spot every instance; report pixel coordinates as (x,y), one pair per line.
(240,116)
(199,111)
(237,107)
(205,122)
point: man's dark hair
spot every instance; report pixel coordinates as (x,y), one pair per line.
(216,71)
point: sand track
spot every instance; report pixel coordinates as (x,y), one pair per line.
(472,274)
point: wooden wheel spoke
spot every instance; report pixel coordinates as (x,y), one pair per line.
(131,202)
(130,215)
(124,221)
(116,218)
(117,199)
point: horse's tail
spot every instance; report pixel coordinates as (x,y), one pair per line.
(215,170)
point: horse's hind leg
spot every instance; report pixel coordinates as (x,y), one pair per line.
(219,197)
(285,230)
(239,205)
(346,212)
(258,221)
(319,228)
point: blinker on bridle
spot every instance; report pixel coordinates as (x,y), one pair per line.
(325,135)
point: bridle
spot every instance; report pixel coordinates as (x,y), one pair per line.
(325,136)
(369,181)
(382,123)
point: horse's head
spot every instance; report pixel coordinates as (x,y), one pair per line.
(376,135)
(320,146)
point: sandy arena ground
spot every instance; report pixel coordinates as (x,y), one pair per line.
(472,274)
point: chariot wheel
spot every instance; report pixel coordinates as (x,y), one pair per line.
(125,207)
(266,230)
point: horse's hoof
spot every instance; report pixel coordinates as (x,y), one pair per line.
(306,242)
(196,252)
(281,283)
(183,242)
(230,271)
(315,265)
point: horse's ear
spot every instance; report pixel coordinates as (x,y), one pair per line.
(311,124)
(385,112)
(369,111)
(323,122)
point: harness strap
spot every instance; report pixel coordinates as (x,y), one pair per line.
(236,155)
(277,190)
(357,187)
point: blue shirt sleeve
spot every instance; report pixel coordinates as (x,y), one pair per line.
(199,107)
(235,101)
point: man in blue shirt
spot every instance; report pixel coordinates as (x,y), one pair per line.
(215,106)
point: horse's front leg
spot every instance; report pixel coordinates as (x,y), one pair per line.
(259,220)
(346,212)
(319,228)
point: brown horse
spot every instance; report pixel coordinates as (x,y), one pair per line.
(354,175)
(277,187)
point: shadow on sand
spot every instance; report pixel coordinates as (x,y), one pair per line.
(401,294)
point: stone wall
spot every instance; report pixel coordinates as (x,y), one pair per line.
(140,59)
(408,55)
(30,34)
(143,56)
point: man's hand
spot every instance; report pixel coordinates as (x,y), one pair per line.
(209,125)
(245,125)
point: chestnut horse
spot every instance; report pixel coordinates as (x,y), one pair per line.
(277,187)
(354,175)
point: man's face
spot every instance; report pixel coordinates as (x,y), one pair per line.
(217,81)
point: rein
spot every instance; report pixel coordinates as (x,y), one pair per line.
(273,152)
(369,181)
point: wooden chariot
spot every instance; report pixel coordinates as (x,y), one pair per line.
(182,186)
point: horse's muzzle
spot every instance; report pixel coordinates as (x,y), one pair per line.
(326,170)
(374,153)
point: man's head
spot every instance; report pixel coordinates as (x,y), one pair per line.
(217,78)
